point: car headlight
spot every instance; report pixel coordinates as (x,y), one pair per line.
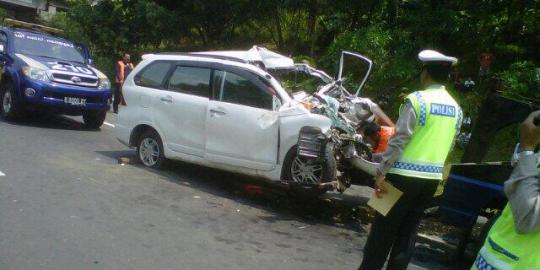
(104,83)
(35,73)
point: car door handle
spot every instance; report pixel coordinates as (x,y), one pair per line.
(214,112)
(166,99)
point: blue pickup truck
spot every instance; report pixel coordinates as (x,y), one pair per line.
(41,71)
(475,188)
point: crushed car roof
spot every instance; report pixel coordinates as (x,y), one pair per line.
(270,59)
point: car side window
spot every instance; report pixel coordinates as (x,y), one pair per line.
(3,40)
(153,75)
(236,89)
(190,80)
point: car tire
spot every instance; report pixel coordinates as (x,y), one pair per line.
(10,109)
(150,150)
(94,119)
(327,174)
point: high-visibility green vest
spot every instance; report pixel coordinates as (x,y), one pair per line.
(505,249)
(438,119)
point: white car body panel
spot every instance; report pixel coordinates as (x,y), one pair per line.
(242,136)
(244,140)
(182,119)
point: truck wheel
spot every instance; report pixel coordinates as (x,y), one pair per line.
(150,150)
(10,109)
(304,175)
(94,119)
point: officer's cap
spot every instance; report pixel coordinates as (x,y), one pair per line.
(431,57)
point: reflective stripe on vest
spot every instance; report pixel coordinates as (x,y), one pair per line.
(438,118)
(505,249)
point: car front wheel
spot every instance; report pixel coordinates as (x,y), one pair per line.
(305,175)
(9,108)
(150,150)
(94,119)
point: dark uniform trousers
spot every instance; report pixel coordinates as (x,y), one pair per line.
(397,231)
(117,96)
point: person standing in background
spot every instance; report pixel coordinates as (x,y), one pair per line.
(486,60)
(123,68)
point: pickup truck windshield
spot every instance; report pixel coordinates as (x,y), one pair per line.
(32,44)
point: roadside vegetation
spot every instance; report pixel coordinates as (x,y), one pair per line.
(390,32)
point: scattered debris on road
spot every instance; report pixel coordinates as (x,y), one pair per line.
(253,189)
(126,160)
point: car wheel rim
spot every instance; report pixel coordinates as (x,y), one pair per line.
(149,151)
(6,102)
(306,171)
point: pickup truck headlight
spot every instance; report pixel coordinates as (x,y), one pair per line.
(104,83)
(35,73)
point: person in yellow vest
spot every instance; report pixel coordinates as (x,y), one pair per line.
(514,240)
(413,163)
(123,68)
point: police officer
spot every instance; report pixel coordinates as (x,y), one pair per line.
(514,240)
(413,163)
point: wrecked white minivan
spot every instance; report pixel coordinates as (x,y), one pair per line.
(225,110)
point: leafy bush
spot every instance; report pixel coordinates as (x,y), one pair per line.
(520,81)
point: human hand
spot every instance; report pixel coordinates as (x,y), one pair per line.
(529,133)
(380,187)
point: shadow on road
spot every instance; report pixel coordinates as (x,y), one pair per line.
(49,121)
(334,209)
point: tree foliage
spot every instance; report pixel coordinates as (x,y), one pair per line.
(390,32)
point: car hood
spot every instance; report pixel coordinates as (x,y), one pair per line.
(54,64)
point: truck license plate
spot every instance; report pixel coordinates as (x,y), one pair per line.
(75,101)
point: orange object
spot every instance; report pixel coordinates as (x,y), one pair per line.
(308,105)
(121,76)
(253,189)
(385,133)
(486,59)
(121,71)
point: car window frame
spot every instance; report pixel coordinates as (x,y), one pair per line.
(189,65)
(255,79)
(161,86)
(6,43)
(2,32)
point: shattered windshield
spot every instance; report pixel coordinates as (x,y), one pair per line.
(37,45)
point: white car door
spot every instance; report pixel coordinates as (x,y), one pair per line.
(179,108)
(242,126)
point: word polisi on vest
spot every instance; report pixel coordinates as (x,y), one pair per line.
(443,110)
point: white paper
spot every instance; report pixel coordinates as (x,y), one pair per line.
(384,204)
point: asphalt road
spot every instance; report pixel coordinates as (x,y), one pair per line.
(66,203)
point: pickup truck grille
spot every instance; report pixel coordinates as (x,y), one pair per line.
(79,80)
